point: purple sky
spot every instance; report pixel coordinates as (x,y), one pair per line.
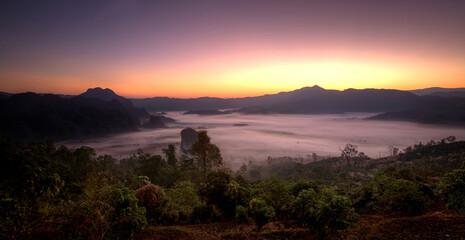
(229,48)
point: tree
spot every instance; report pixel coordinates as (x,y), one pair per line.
(222,191)
(182,200)
(323,212)
(276,192)
(206,155)
(127,217)
(453,190)
(260,212)
(170,154)
(349,151)
(314,156)
(393,150)
(151,197)
(402,196)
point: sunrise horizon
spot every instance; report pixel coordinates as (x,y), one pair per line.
(230,49)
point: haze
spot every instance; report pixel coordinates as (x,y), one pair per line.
(255,137)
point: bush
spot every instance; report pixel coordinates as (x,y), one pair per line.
(180,203)
(453,189)
(391,192)
(223,192)
(260,212)
(151,197)
(402,196)
(241,214)
(276,192)
(324,213)
(127,218)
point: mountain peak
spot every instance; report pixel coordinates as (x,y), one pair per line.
(104,94)
(99,90)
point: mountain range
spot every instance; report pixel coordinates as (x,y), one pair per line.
(432,106)
(32,116)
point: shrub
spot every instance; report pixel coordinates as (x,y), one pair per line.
(151,197)
(180,203)
(402,196)
(127,218)
(453,189)
(241,214)
(324,213)
(276,192)
(260,212)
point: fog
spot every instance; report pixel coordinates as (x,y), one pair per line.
(246,137)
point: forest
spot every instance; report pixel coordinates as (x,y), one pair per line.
(53,192)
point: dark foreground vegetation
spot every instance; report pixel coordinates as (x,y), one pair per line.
(50,192)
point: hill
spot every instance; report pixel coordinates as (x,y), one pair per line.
(108,95)
(426,91)
(31,116)
(305,100)
(432,106)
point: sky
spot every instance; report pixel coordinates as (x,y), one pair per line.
(194,48)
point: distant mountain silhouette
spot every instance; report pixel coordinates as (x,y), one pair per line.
(438,105)
(460,94)
(206,112)
(426,91)
(108,95)
(432,110)
(157,121)
(305,100)
(31,116)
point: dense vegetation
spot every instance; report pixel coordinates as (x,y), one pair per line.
(60,193)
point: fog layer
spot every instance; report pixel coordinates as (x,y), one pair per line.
(246,137)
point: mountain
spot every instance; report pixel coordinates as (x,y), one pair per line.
(105,95)
(316,100)
(5,95)
(432,110)
(435,90)
(433,105)
(108,95)
(460,94)
(305,100)
(31,116)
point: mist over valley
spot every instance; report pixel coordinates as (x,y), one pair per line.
(253,137)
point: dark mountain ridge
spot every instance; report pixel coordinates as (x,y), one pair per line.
(305,100)
(426,91)
(31,116)
(108,95)
(434,107)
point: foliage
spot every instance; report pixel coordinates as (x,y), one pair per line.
(182,200)
(73,194)
(453,190)
(389,193)
(171,157)
(151,198)
(323,212)
(261,212)
(206,154)
(241,214)
(276,192)
(349,151)
(127,217)
(222,191)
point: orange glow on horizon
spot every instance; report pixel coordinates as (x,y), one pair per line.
(233,77)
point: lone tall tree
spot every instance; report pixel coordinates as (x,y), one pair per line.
(206,155)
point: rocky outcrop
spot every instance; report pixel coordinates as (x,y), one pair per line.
(158,122)
(188,137)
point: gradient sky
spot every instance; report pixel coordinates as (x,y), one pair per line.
(229,48)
